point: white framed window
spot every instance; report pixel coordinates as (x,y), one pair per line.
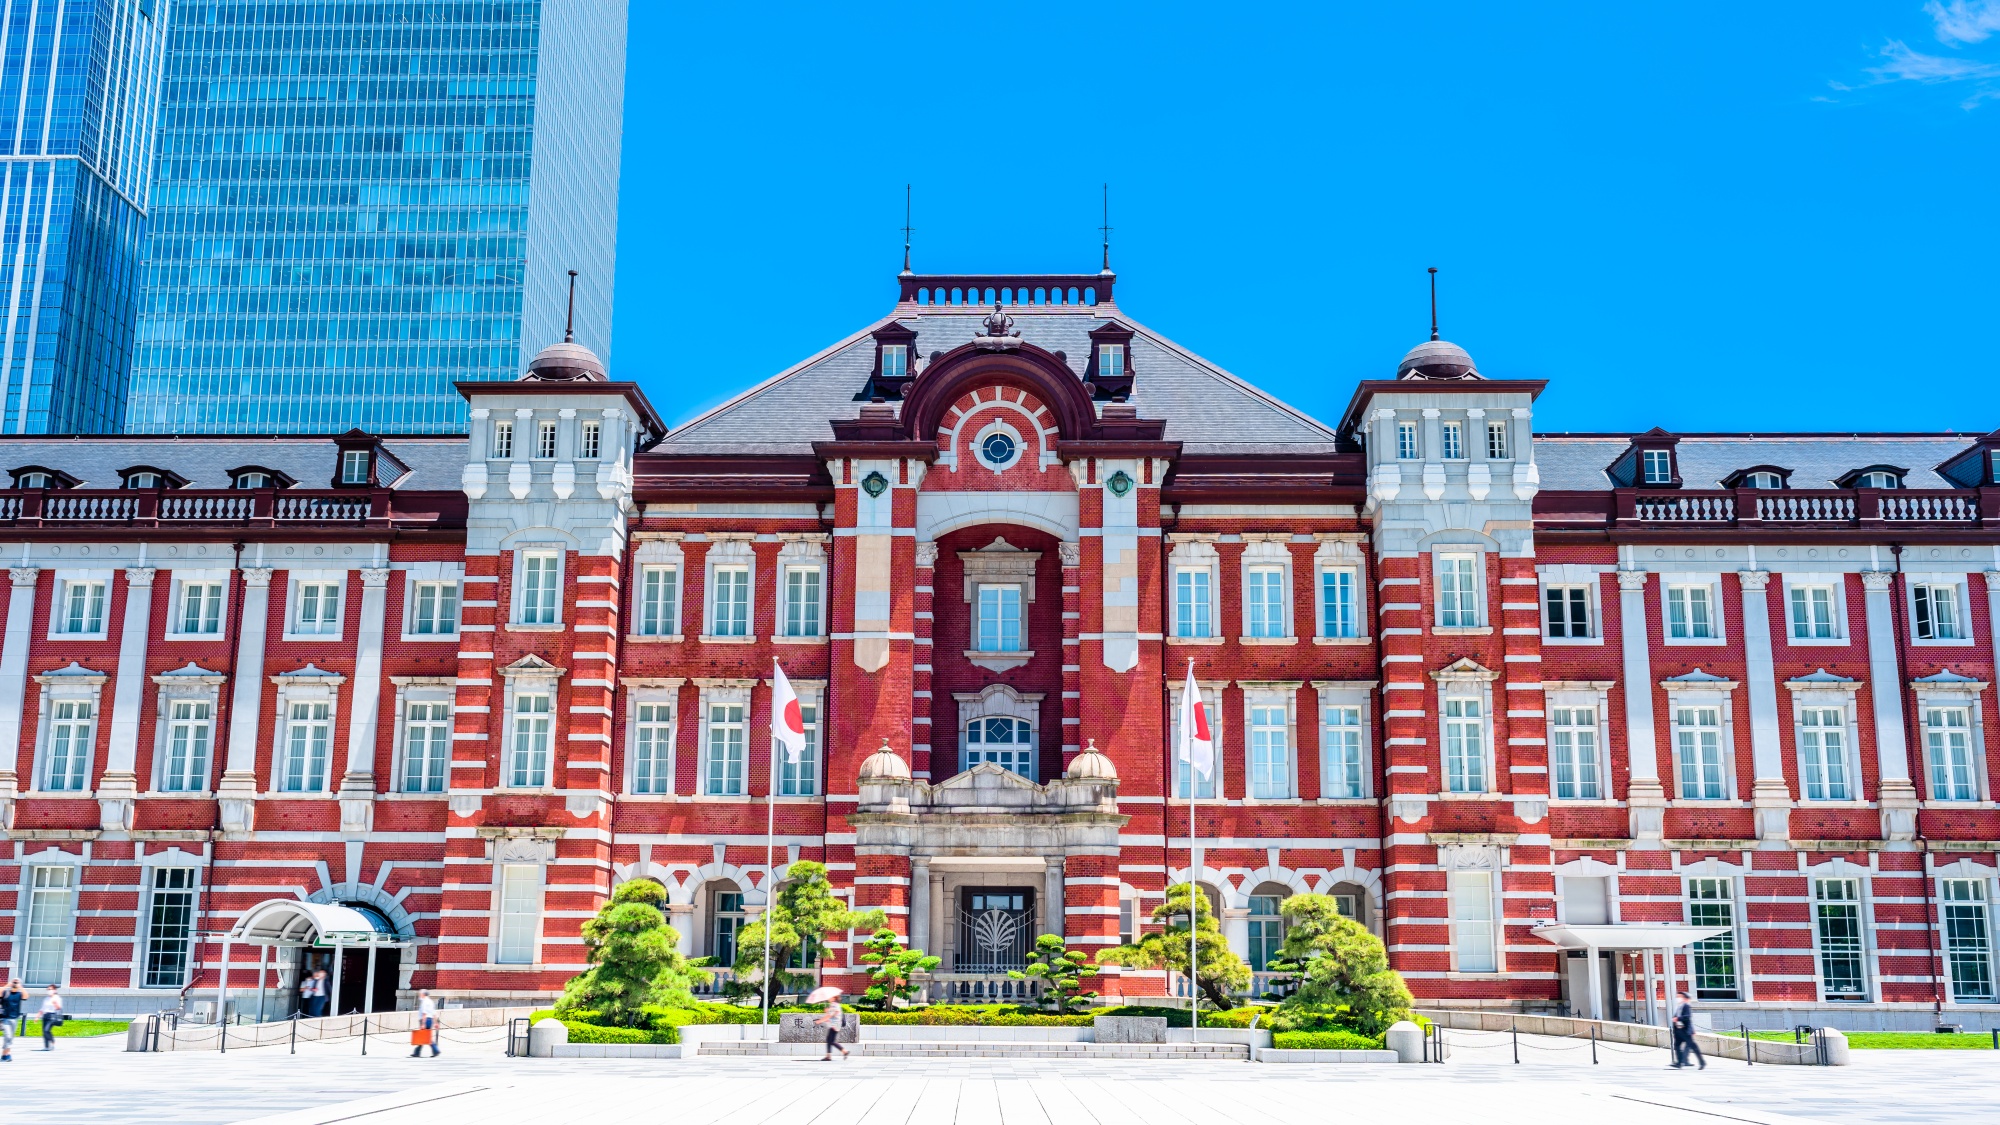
(1454,441)
(254,480)
(197,608)
(1878,479)
(538,589)
(528,753)
(1406,441)
(1270,766)
(51,917)
(723,753)
(1825,774)
(426,745)
(1472,928)
(801,778)
(185,744)
(1936,611)
(354,466)
(1465,758)
(72,741)
(503,440)
(729,590)
(545,441)
(305,746)
(895,362)
(143,480)
(1496,441)
(1264,598)
(1460,596)
(1765,480)
(1193,602)
(433,608)
(1267,930)
(1657,466)
(1712,962)
(79,607)
(1566,612)
(997,627)
(1006,742)
(803,597)
(316,604)
(1339,602)
(1699,752)
(170,909)
(659,601)
(1211,704)
(1343,743)
(520,930)
(1813,613)
(1837,933)
(1968,939)
(1111,361)
(1948,752)
(1691,612)
(1575,758)
(653,747)
(590,442)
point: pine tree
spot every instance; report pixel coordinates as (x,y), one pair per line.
(1061,971)
(1342,970)
(634,956)
(1220,971)
(803,915)
(895,965)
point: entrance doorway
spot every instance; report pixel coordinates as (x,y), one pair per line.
(353,977)
(996,928)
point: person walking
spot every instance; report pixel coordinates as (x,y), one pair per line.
(830,1019)
(10,1016)
(312,994)
(427,1021)
(52,1016)
(1684,1034)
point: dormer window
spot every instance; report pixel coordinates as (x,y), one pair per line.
(143,480)
(895,361)
(354,466)
(1763,480)
(1766,477)
(41,476)
(1111,361)
(894,347)
(253,480)
(1658,465)
(1876,478)
(33,480)
(1108,374)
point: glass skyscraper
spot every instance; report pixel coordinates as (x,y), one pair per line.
(358,203)
(79,83)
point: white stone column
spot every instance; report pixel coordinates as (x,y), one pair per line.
(357,783)
(1052,893)
(1768,793)
(119,789)
(920,903)
(1897,797)
(1236,930)
(14,679)
(1645,797)
(680,915)
(238,792)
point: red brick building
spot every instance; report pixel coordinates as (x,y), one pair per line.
(1518,699)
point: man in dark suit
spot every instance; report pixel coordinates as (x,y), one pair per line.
(1683,1025)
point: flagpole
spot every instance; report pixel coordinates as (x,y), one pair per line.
(770,854)
(1194,871)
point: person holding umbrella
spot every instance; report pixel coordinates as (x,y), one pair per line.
(829,1019)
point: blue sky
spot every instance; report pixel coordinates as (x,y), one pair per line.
(1700,216)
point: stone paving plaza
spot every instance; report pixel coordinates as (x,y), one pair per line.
(94,1081)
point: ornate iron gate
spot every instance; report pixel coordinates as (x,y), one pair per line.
(996,928)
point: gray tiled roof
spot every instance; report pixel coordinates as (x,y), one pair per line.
(433,462)
(1576,462)
(1205,407)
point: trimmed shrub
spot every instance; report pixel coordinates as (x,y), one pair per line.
(1324,1041)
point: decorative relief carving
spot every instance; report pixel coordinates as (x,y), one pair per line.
(1071,552)
(139,576)
(257,575)
(927,553)
(1877,579)
(374,577)
(1754,579)
(23,575)
(1632,579)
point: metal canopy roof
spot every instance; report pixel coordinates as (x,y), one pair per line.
(1626,935)
(289,922)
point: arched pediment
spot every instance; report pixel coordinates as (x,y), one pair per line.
(1040,372)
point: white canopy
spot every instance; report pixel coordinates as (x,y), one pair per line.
(1626,935)
(290,922)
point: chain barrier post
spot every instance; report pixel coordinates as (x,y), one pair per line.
(364,1033)
(1593,1044)
(1747,1049)
(295,1033)
(1517,1044)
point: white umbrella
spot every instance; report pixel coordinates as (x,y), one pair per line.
(822,994)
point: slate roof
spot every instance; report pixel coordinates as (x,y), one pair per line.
(1205,407)
(1576,462)
(434,463)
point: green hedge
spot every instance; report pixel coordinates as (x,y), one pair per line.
(1323,1041)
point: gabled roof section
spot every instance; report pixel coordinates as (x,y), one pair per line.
(1579,462)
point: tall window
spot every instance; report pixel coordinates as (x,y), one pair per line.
(731,601)
(653,749)
(1338,613)
(1270,752)
(1340,747)
(426,747)
(186,767)
(1698,747)
(895,362)
(1812,613)
(1968,941)
(801,778)
(1406,441)
(1948,745)
(169,926)
(592,441)
(354,466)
(1464,745)
(1496,441)
(1454,441)
(1659,466)
(319,609)
(725,750)
(201,607)
(540,574)
(72,732)
(82,607)
(531,741)
(999,625)
(727,910)
(1837,923)
(1191,603)
(1111,361)
(51,904)
(1566,611)
(1823,773)
(503,441)
(434,608)
(308,735)
(545,441)
(1267,931)
(1573,753)
(1936,617)
(520,913)
(1264,598)
(659,601)
(1458,592)
(1472,921)
(1204,787)
(802,601)
(1713,960)
(1007,743)
(1690,613)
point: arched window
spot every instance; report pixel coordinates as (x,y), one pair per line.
(1877,478)
(1267,927)
(1007,743)
(1763,480)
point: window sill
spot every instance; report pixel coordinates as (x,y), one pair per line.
(1953,643)
(1345,801)
(999,661)
(1943,803)
(713,639)
(321,638)
(1707,803)
(657,638)
(719,799)
(1693,642)
(1175,641)
(518,627)
(1845,803)
(59,637)
(179,794)
(1818,642)
(798,640)
(1340,642)
(1267,641)
(1462,630)
(1572,642)
(423,638)
(1489,795)
(191,636)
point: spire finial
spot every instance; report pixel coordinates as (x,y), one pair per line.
(1106,228)
(907,228)
(1434,302)
(569,325)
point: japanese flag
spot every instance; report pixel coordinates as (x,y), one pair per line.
(788,726)
(1197,748)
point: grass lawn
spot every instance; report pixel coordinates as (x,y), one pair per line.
(74,1028)
(1901,1040)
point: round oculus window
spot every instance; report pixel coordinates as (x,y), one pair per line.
(997,449)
